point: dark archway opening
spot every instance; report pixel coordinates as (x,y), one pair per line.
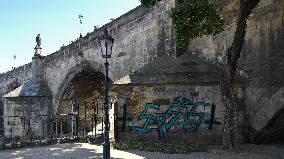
(86,87)
(273,132)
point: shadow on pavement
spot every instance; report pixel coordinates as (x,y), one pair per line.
(64,151)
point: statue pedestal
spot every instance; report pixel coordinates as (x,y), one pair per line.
(37,51)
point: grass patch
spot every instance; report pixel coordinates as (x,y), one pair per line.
(156,146)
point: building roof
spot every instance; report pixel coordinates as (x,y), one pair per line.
(186,69)
(30,88)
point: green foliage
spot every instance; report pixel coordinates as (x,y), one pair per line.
(195,18)
(192,19)
(148,3)
(164,147)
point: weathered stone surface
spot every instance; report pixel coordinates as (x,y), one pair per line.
(139,96)
(24,110)
(262,58)
(23,73)
(145,44)
(185,69)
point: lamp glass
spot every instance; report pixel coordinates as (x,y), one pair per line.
(106,43)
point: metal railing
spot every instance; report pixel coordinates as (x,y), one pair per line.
(43,129)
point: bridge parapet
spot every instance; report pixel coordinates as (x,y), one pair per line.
(22,73)
(141,36)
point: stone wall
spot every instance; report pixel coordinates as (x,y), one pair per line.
(7,84)
(144,35)
(136,99)
(23,73)
(24,116)
(261,58)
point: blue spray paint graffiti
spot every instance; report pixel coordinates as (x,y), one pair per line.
(162,121)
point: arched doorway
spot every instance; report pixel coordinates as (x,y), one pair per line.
(80,110)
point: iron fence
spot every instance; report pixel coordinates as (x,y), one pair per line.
(19,130)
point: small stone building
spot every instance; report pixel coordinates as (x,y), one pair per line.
(27,109)
(173,98)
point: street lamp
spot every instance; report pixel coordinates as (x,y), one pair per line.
(106,43)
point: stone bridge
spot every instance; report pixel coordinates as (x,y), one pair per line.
(145,56)
(141,36)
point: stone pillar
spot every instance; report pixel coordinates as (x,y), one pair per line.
(167,43)
(38,68)
(38,62)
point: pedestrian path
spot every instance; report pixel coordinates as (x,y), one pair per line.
(87,151)
(64,151)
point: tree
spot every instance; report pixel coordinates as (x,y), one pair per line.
(232,56)
(194,18)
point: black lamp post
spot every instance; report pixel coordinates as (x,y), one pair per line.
(106,43)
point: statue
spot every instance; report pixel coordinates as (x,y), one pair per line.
(38,48)
(38,40)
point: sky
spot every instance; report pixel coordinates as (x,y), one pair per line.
(57,22)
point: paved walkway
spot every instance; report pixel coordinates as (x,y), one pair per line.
(87,151)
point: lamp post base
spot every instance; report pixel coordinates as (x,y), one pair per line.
(106,150)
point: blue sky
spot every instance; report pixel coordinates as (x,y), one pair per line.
(56,20)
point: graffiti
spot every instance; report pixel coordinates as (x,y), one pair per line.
(181,109)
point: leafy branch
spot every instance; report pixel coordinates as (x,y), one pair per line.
(192,19)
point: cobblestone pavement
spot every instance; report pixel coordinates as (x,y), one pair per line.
(87,151)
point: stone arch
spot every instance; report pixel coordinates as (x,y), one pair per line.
(77,69)
(273,130)
(267,121)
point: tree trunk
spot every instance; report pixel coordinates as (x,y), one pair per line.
(229,96)
(231,115)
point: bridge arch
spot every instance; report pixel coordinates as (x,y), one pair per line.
(273,131)
(87,71)
(267,122)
